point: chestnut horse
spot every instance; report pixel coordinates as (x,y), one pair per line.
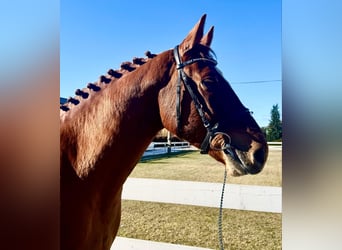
(107,126)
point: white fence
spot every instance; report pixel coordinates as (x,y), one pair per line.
(160,148)
(275,143)
(172,144)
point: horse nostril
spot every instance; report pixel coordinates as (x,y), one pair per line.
(259,156)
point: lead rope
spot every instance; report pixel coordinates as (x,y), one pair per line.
(220,211)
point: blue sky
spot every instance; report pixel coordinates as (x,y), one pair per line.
(98,35)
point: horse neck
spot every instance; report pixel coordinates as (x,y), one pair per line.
(121,120)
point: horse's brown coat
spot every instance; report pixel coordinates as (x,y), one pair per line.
(106,133)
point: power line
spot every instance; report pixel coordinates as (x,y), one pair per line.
(249,82)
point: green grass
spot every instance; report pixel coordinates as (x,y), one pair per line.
(194,225)
(192,166)
(197,226)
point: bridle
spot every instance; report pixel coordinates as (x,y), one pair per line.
(212,127)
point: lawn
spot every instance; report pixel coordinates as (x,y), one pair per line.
(197,226)
(194,225)
(193,166)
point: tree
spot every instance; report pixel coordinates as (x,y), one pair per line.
(274,129)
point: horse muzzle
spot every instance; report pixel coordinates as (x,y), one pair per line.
(250,161)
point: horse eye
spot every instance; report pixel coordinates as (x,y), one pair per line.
(208,84)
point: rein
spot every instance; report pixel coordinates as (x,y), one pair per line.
(219,222)
(211,128)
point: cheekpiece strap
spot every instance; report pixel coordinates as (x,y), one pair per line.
(182,76)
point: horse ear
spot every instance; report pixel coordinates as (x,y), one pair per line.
(193,37)
(207,38)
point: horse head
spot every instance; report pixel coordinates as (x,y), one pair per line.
(199,105)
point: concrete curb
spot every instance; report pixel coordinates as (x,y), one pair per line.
(128,244)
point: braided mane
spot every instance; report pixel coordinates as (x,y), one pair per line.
(83,121)
(111,76)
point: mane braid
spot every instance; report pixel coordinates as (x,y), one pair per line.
(127,66)
(112,75)
(81,93)
(105,79)
(73,100)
